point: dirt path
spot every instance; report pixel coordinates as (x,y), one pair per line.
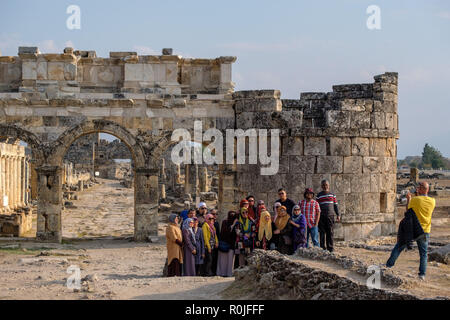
(105,209)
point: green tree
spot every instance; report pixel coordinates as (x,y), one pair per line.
(432,158)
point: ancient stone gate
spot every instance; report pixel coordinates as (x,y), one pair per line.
(347,136)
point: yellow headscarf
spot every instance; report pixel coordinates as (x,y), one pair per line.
(282,220)
(245,224)
(265,226)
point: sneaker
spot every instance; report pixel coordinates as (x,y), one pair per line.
(422,277)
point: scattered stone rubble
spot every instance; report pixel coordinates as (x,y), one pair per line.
(360,267)
(271,275)
(440,254)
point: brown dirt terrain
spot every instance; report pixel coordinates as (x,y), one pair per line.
(116,268)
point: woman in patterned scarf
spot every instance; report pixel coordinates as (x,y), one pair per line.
(298,222)
(284,231)
(189,248)
(245,230)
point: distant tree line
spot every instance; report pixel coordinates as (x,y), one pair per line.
(431,158)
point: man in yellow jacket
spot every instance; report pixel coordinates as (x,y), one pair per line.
(423,206)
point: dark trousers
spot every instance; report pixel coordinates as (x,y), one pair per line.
(326,224)
(208,264)
(214,261)
(174,268)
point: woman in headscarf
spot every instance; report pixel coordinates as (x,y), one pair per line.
(199,247)
(251,208)
(276,207)
(227,241)
(245,234)
(189,249)
(284,231)
(174,244)
(265,236)
(298,222)
(211,242)
(259,209)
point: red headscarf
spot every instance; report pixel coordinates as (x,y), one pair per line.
(243,201)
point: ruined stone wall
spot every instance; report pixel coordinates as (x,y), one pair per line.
(347,136)
(15,216)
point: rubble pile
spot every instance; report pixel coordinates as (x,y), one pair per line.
(271,275)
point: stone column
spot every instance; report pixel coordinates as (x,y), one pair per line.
(204,179)
(228,195)
(146,203)
(14,183)
(8,180)
(226,85)
(33,181)
(178,174)
(22,182)
(49,203)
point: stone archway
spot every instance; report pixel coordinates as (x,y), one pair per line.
(50,182)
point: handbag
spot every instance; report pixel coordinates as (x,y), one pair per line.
(224,246)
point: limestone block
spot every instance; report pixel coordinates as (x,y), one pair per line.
(56,71)
(373,164)
(360,182)
(375,182)
(29,71)
(341,183)
(329,164)
(353,203)
(41,70)
(391,202)
(296,183)
(389,120)
(360,146)
(314,181)
(377,147)
(390,165)
(387,182)
(315,146)
(353,164)
(370,202)
(340,197)
(292,146)
(360,120)
(370,230)
(302,164)
(283,164)
(340,146)
(390,148)
(378,120)
(338,119)
(352,231)
(70,71)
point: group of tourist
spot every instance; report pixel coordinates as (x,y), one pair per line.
(198,246)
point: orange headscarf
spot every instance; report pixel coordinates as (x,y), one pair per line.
(282,218)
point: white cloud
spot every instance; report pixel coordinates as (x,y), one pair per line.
(444,14)
(143,50)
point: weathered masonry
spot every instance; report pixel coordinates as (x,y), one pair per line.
(347,136)
(15,216)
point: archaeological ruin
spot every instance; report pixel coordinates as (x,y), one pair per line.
(347,136)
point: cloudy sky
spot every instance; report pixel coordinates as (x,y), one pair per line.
(293,46)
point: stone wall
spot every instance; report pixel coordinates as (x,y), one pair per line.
(347,136)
